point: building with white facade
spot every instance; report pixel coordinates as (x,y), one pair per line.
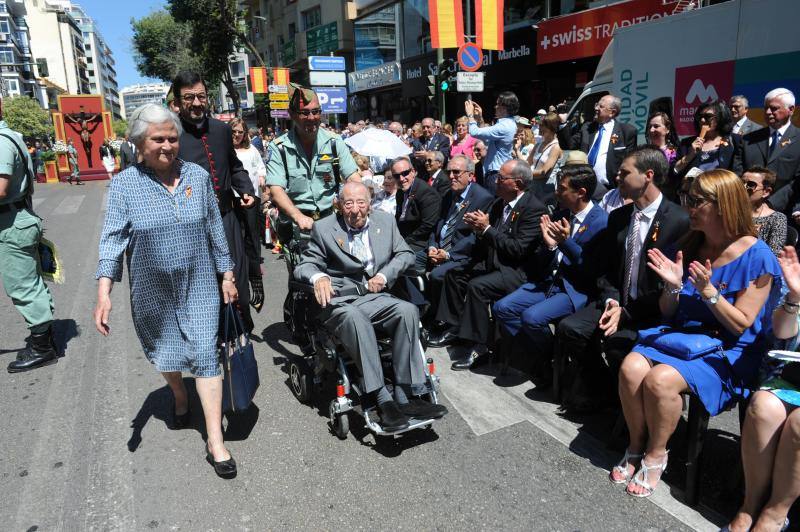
(57,44)
(16,61)
(100,63)
(136,95)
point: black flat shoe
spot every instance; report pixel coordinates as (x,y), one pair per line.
(443,340)
(181,421)
(224,469)
(392,419)
(419,409)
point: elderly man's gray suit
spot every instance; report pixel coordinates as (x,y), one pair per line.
(353,318)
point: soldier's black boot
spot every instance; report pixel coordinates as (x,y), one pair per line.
(40,352)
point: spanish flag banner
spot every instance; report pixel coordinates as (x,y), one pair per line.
(258,80)
(280,76)
(447,23)
(489,24)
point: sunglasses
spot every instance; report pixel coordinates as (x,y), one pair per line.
(402,174)
(708,116)
(309,112)
(429,161)
(456,172)
(694,202)
(751,186)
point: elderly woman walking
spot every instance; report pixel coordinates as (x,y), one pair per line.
(163,216)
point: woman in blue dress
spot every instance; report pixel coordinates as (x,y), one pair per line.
(771,432)
(162,215)
(722,278)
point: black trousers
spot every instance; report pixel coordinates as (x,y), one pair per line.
(467,295)
(581,340)
(236,245)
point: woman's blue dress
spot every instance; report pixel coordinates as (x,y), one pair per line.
(717,379)
(175,247)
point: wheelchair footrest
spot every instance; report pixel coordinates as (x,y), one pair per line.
(375,426)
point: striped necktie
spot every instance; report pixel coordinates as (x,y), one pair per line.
(634,248)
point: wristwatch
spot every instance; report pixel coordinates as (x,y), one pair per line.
(713,299)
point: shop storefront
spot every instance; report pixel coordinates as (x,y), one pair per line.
(375,92)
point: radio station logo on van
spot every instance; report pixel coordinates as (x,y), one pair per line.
(699,84)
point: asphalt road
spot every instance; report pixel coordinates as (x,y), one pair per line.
(84,444)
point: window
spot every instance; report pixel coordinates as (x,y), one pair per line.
(41,65)
(292,30)
(237,69)
(6,57)
(13,86)
(416,29)
(312,18)
(4,26)
(376,38)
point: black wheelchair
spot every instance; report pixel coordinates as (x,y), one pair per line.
(323,358)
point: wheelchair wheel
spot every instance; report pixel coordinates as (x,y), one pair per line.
(339,422)
(301,380)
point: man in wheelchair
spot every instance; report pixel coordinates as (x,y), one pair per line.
(351,259)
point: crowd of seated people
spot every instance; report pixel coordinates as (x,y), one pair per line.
(675,240)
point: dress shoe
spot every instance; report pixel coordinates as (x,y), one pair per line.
(443,340)
(419,409)
(181,421)
(41,352)
(392,419)
(472,360)
(224,469)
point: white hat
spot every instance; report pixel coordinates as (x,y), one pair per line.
(541,112)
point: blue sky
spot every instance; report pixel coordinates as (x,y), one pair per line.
(114,20)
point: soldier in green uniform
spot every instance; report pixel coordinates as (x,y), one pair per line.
(306,166)
(20,231)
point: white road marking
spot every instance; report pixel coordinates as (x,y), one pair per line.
(487,407)
(69,205)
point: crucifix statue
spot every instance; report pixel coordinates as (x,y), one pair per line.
(85,125)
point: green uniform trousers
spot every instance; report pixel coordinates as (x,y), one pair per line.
(20,232)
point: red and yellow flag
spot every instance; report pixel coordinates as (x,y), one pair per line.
(258,80)
(489,24)
(280,76)
(447,23)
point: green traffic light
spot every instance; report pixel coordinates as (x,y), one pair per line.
(445,85)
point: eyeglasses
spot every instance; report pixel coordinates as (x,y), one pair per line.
(189,97)
(750,186)
(430,161)
(501,177)
(402,174)
(456,172)
(708,117)
(309,112)
(693,202)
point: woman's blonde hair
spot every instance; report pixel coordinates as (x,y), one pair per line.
(361,161)
(527,136)
(462,120)
(448,129)
(726,190)
(245,138)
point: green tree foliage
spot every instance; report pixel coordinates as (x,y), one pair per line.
(24,115)
(120,128)
(162,46)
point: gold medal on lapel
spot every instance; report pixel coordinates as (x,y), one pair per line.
(188,192)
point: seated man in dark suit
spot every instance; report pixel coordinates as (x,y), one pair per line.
(606,140)
(502,259)
(437,178)
(451,241)
(629,290)
(418,207)
(358,252)
(777,148)
(525,315)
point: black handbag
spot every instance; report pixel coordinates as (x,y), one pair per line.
(240,371)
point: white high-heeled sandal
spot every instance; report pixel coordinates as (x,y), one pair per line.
(622,468)
(640,478)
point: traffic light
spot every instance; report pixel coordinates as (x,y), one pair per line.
(431,87)
(445,73)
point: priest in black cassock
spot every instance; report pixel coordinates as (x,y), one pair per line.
(209,143)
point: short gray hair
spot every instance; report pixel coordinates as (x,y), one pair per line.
(786,96)
(740,98)
(615,103)
(401,158)
(354,184)
(438,156)
(144,116)
(521,171)
(469,164)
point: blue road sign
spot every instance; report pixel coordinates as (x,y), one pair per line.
(470,57)
(332,99)
(324,62)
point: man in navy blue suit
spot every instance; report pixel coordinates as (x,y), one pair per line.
(526,313)
(452,239)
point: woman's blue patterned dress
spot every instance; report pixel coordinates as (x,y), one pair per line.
(175,246)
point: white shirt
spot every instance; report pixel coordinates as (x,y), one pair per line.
(602,155)
(738,125)
(579,218)
(612,200)
(648,213)
(370,258)
(387,204)
(254,164)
